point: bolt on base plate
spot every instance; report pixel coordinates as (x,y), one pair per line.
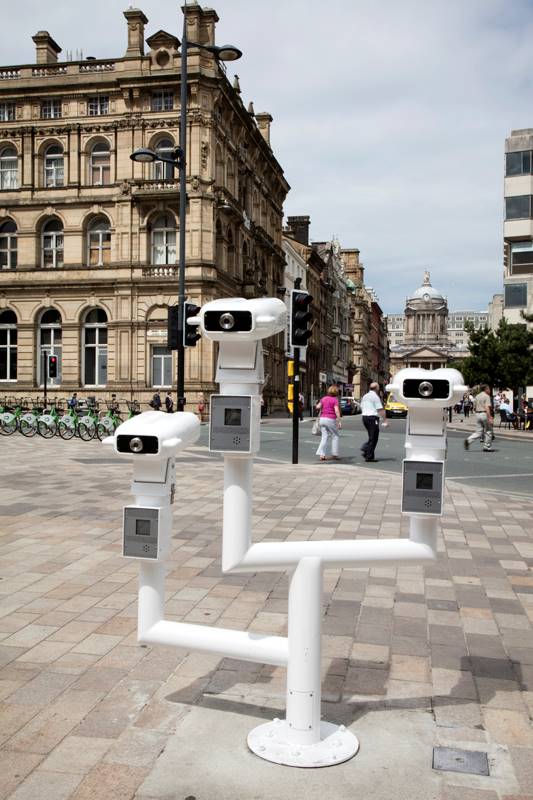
(272,741)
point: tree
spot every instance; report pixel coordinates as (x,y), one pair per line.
(503,358)
(483,363)
(516,355)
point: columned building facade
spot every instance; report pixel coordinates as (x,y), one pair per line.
(88,238)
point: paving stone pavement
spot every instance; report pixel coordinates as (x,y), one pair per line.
(412,658)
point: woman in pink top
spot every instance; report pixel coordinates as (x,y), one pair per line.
(330,423)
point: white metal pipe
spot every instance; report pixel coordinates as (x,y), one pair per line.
(151,607)
(272,556)
(244,645)
(305,636)
(424,531)
(237,510)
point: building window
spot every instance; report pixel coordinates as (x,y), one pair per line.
(100,165)
(50,336)
(8,245)
(8,346)
(164,240)
(163,100)
(521,257)
(162,170)
(95,348)
(54,173)
(8,168)
(7,112)
(518,163)
(516,295)
(518,207)
(161,367)
(99,243)
(50,109)
(52,244)
(97,106)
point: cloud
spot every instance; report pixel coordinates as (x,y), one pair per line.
(389,118)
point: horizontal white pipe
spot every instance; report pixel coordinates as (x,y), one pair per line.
(272,556)
(243,645)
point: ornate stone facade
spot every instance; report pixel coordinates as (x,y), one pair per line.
(88,238)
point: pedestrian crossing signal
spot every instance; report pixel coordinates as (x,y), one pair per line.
(52,366)
(300,318)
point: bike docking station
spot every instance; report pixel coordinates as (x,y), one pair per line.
(153,438)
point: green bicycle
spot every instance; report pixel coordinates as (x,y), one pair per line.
(48,422)
(108,424)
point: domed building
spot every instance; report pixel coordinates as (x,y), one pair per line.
(425,343)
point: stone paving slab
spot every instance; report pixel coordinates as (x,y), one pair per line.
(412,658)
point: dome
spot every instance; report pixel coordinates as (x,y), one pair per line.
(426,292)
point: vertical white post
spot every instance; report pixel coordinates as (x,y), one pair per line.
(237,513)
(303,673)
(151,608)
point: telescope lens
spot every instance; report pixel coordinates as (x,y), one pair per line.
(136,445)
(425,389)
(227,321)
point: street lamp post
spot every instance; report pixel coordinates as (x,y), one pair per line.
(179,160)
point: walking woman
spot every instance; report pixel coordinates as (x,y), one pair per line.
(330,423)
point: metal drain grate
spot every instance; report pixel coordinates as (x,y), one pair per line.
(451,760)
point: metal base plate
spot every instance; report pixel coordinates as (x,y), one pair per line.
(272,741)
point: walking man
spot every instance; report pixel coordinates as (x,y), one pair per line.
(371,410)
(169,403)
(484,421)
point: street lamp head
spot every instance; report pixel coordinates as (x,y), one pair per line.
(143,155)
(228,53)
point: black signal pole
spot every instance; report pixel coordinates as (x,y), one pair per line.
(295,393)
(45,374)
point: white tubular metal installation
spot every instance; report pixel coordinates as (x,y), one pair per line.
(302,739)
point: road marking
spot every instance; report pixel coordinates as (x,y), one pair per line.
(483,477)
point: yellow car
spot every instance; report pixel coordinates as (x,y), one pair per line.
(393,407)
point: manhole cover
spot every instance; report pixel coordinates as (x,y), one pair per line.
(452,760)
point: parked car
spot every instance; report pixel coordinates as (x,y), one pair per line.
(394,408)
(349,406)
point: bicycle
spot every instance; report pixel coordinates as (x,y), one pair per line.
(87,424)
(110,421)
(9,416)
(48,422)
(26,419)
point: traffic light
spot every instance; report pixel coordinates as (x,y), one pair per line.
(300,317)
(190,332)
(173,328)
(52,366)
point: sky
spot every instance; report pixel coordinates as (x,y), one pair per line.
(390,118)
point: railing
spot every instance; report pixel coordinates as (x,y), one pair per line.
(46,72)
(9,73)
(160,271)
(156,185)
(95,66)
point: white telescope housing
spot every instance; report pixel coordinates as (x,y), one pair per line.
(421,387)
(238,319)
(155,435)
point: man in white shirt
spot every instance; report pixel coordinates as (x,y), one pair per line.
(371,410)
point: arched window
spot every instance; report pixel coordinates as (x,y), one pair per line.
(8,345)
(99,243)
(100,165)
(219,166)
(8,245)
(50,336)
(231,176)
(219,246)
(164,240)
(54,174)
(8,168)
(95,348)
(52,244)
(162,170)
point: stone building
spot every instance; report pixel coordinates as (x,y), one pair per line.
(88,238)
(426,342)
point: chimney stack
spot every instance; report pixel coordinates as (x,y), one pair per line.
(201,23)
(263,123)
(46,49)
(300,228)
(136,22)
(353,268)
